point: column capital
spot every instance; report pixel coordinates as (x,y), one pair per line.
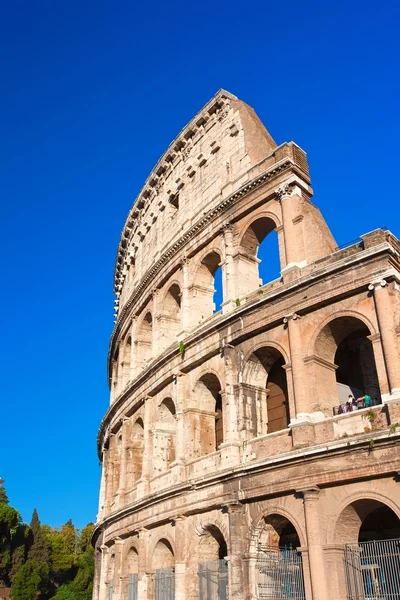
(291,317)
(310,492)
(118,541)
(377,285)
(285,190)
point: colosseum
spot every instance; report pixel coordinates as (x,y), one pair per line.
(251,446)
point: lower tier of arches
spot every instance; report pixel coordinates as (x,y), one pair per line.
(300,546)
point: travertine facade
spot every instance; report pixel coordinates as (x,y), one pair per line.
(222,440)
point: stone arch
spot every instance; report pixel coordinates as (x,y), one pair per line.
(207,424)
(266,391)
(271,524)
(204,526)
(132,559)
(250,268)
(344,361)
(164,436)
(145,339)
(163,555)
(365,519)
(169,317)
(353,500)
(203,287)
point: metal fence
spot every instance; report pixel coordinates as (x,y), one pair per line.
(280,574)
(213,580)
(110,590)
(165,584)
(373,570)
(133,586)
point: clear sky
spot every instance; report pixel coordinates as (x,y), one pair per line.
(92,94)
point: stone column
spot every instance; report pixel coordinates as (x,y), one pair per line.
(229,277)
(316,556)
(145,572)
(143,482)
(185,297)
(375,339)
(110,471)
(180,557)
(133,369)
(180,452)
(123,465)
(293,324)
(387,329)
(238,579)
(118,567)
(103,485)
(289,198)
(156,323)
(103,573)
(231,444)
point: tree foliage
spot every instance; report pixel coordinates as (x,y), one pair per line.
(42,563)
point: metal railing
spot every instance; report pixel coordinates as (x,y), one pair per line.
(132,586)
(213,580)
(280,574)
(110,590)
(165,584)
(373,570)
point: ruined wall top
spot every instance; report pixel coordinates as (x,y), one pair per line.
(220,149)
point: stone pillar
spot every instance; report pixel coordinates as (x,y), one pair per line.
(118,567)
(145,572)
(229,276)
(133,369)
(143,482)
(110,470)
(180,451)
(231,444)
(237,577)
(387,329)
(334,557)
(294,251)
(380,363)
(180,557)
(103,573)
(156,323)
(123,464)
(103,485)
(316,555)
(185,298)
(297,363)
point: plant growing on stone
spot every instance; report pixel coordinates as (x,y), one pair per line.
(181,349)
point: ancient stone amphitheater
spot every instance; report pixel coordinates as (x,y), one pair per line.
(232,464)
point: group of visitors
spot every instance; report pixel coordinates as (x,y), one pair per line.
(355,404)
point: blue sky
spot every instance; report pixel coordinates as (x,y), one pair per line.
(92,94)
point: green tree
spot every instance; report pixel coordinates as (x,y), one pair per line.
(63,552)
(31,581)
(10,521)
(39,550)
(3,494)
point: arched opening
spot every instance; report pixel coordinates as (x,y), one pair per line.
(370,531)
(257,261)
(164,436)
(133,560)
(345,345)
(164,566)
(207,425)
(133,570)
(279,563)
(266,393)
(170,317)
(207,287)
(126,361)
(145,340)
(365,521)
(135,453)
(212,564)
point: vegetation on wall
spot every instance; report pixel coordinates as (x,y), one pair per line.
(39,562)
